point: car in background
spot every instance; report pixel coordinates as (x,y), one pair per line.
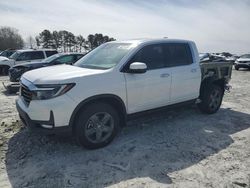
(207,57)
(25,56)
(7,53)
(242,62)
(61,58)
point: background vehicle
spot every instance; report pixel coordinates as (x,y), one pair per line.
(218,57)
(62,58)
(7,53)
(3,60)
(242,62)
(24,56)
(93,98)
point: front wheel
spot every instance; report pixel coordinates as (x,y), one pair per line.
(96,125)
(236,67)
(211,99)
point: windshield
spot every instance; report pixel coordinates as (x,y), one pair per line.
(51,58)
(105,57)
(14,56)
(245,56)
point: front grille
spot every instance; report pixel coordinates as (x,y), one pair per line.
(26,94)
(15,75)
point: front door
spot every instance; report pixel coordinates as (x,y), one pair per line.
(151,89)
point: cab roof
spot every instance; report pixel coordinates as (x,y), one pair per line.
(145,41)
(32,50)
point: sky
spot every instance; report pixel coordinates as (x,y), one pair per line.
(214,25)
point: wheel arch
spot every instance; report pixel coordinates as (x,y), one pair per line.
(208,81)
(111,99)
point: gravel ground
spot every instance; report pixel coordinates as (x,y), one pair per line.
(174,148)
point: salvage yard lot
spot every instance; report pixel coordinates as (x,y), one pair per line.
(174,148)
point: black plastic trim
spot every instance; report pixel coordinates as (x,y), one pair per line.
(35,126)
(95,98)
(154,110)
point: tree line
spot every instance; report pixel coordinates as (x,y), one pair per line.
(10,38)
(63,41)
(67,42)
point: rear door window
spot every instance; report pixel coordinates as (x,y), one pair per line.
(50,53)
(36,55)
(178,54)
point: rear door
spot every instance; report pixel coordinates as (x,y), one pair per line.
(185,71)
(151,89)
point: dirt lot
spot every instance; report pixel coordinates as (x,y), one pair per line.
(178,148)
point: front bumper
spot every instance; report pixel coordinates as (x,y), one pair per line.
(36,126)
(242,65)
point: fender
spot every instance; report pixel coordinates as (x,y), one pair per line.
(109,98)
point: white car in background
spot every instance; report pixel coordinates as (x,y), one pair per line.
(24,56)
(242,62)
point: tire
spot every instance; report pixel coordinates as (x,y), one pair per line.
(96,125)
(211,99)
(236,67)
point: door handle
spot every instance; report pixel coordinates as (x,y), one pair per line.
(165,75)
(193,70)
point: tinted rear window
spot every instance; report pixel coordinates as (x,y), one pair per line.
(178,54)
(36,55)
(50,53)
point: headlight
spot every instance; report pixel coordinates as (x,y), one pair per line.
(43,92)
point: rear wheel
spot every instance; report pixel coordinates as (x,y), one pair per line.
(96,125)
(211,99)
(236,67)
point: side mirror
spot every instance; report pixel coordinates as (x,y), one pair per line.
(137,67)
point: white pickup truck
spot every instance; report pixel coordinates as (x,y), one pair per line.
(93,98)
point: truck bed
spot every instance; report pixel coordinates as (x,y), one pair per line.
(218,70)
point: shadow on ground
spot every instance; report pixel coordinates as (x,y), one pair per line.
(151,146)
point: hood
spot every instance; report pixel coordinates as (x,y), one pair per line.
(58,74)
(243,59)
(2,58)
(31,65)
(6,61)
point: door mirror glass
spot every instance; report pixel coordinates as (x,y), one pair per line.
(137,67)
